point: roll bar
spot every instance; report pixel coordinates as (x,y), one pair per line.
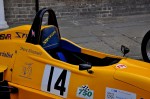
(34,35)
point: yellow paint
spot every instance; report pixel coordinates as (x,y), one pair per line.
(3,68)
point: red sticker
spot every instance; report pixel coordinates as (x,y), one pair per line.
(33,33)
(121,66)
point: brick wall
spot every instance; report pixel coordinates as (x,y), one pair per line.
(21,11)
(130,7)
(79,8)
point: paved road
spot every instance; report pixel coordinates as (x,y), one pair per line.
(108,34)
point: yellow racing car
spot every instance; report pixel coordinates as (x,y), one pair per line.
(37,63)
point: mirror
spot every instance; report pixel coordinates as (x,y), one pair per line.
(124,50)
(85,66)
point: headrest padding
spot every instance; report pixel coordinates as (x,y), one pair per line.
(50,38)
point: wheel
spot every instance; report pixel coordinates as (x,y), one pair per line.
(145,47)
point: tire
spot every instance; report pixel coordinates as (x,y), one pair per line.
(145,47)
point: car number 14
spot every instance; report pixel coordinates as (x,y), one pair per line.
(56,81)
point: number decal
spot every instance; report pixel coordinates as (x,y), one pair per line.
(56,81)
(50,79)
(62,78)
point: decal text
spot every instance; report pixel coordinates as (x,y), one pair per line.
(6,54)
(5,36)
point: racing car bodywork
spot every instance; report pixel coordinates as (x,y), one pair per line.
(37,63)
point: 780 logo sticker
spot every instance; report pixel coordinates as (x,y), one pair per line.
(56,81)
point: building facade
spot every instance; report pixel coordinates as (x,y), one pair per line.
(23,11)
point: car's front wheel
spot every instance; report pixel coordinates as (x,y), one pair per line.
(145,47)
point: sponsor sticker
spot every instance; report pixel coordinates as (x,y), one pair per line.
(6,54)
(28,50)
(121,66)
(112,93)
(33,33)
(26,70)
(85,92)
(21,35)
(5,36)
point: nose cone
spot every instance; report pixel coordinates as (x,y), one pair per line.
(136,73)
